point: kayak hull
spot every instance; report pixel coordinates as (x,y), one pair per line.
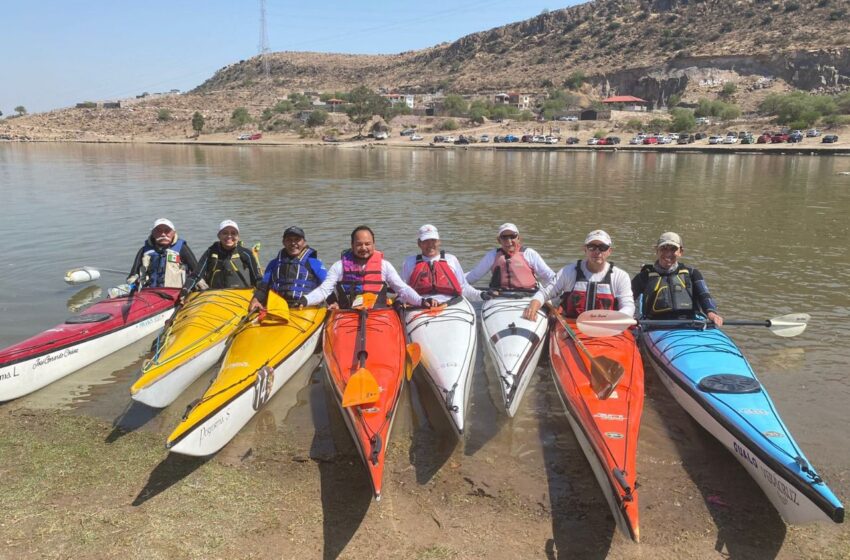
(607,430)
(370,424)
(514,345)
(240,390)
(104,328)
(447,338)
(742,417)
(194,343)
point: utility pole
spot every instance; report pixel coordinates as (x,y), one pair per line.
(264,40)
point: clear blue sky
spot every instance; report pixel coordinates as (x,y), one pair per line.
(58,52)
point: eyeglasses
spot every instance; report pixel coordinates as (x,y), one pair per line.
(598,248)
(507,236)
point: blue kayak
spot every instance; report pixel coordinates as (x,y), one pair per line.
(707,374)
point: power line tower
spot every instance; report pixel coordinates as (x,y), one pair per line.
(264,40)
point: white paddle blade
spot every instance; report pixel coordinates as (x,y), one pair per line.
(789,325)
(603,322)
(81,275)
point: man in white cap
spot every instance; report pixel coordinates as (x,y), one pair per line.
(668,289)
(511,266)
(590,283)
(164,260)
(225,264)
(435,273)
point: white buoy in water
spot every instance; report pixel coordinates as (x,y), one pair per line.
(81,275)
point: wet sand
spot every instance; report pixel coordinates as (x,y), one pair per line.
(86,475)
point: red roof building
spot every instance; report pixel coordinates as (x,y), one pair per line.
(629,102)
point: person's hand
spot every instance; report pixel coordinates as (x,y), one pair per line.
(429,302)
(333,306)
(488,294)
(255,305)
(181,299)
(302,302)
(530,313)
(715,318)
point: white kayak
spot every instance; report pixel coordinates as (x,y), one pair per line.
(514,343)
(447,337)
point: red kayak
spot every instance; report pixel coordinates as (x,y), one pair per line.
(371,340)
(607,429)
(105,327)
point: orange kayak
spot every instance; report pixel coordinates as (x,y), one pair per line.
(607,430)
(380,334)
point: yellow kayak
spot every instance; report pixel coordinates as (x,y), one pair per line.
(192,344)
(262,357)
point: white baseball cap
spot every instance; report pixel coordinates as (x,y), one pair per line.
(669,238)
(163,222)
(598,235)
(508,227)
(228,223)
(428,232)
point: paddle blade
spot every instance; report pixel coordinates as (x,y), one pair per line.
(605,375)
(789,325)
(362,388)
(603,322)
(414,355)
(277,306)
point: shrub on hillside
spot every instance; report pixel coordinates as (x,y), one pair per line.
(317,118)
(240,117)
(683,120)
(163,115)
(448,124)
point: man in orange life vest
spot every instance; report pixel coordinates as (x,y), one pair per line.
(435,273)
(362,269)
(512,267)
(591,283)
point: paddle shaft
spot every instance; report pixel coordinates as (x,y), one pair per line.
(363,315)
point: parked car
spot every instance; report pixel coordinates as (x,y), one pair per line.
(527,138)
(380,135)
(764,138)
(329,138)
(650,140)
(484,138)
(700,136)
(408,132)
(730,139)
(830,139)
(592,141)
(449,139)
(511,138)
(438,139)
(244,137)
(613,140)
(796,136)
(462,140)
(636,140)
(703,120)
(779,138)
(748,139)
(685,139)
(603,142)
(572,140)
(715,139)
(664,139)
(415,137)
(812,132)
(256,136)
(568,118)
(498,139)
(552,139)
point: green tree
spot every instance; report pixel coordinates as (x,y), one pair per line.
(163,115)
(455,105)
(21,110)
(317,118)
(449,124)
(364,104)
(198,122)
(575,80)
(729,88)
(300,101)
(478,113)
(526,116)
(283,106)
(240,117)
(683,120)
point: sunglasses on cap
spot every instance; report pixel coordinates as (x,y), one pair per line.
(672,248)
(597,247)
(507,236)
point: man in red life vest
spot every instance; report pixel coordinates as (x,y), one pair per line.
(435,273)
(512,267)
(362,269)
(591,283)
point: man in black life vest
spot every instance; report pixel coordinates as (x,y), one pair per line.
(667,289)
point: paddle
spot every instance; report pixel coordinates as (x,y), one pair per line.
(412,358)
(605,373)
(362,387)
(85,274)
(609,323)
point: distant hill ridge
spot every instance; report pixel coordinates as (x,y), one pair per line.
(649,48)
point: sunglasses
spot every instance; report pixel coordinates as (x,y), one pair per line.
(599,248)
(669,248)
(509,236)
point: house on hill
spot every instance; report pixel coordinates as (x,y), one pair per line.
(521,101)
(399,99)
(626,103)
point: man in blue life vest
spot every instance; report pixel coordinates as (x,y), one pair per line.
(668,289)
(295,271)
(362,270)
(435,273)
(511,266)
(590,283)
(225,264)
(164,261)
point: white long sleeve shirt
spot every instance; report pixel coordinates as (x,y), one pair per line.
(541,270)
(467,291)
(565,280)
(388,274)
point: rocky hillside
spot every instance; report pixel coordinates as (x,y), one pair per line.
(645,47)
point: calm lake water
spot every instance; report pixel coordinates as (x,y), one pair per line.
(770,233)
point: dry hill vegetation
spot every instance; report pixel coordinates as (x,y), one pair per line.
(656,49)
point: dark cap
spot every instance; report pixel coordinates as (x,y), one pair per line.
(295,230)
